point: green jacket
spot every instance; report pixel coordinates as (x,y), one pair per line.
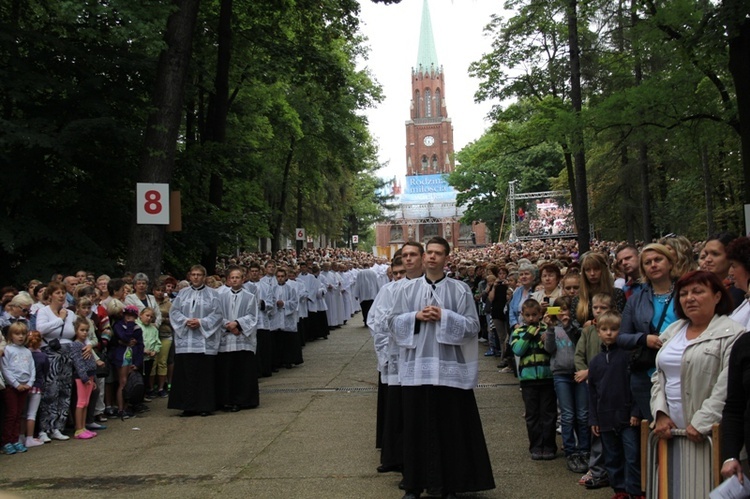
(527,342)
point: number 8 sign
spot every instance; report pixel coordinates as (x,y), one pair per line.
(152,204)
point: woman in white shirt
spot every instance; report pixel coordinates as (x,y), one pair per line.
(690,382)
(55,323)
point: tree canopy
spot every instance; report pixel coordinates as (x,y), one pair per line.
(76,86)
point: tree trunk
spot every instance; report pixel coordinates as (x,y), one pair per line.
(645,192)
(146,245)
(708,185)
(278,217)
(739,66)
(579,154)
(217,124)
(627,194)
(299,244)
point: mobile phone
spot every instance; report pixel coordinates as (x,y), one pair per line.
(553,310)
(545,299)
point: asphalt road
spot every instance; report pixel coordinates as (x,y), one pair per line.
(312,436)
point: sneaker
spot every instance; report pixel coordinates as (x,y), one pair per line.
(147,398)
(9,449)
(44,438)
(489,353)
(574,463)
(536,456)
(96,426)
(549,456)
(19,447)
(163,394)
(83,435)
(57,435)
(585,478)
(597,482)
(506,369)
(33,442)
(123,415)
(100,418)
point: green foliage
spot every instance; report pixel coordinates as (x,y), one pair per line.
(75,92)
(655,81)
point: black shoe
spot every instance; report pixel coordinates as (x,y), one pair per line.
(549,456)
(206,413)
(401,485)
(536,456)
(387,469)
(411,495)
(234,408)
(188,414)
(596,483)
(580,462)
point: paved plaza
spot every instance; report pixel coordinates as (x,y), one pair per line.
(312,436)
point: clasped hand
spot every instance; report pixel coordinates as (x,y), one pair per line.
(430,313)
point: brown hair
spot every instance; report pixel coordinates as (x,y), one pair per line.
(705,278)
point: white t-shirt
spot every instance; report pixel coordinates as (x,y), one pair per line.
(670,362)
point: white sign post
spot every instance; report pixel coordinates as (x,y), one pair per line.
(355,239)
(300,234)
(152,204)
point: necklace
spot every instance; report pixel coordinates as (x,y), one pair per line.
(668,293)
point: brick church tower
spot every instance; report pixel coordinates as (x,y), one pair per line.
(429,132)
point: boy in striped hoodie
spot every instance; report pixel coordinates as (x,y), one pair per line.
(537,386)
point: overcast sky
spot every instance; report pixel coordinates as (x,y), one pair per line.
(393,38)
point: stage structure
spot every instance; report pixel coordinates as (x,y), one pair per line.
(426,207)
(550,218)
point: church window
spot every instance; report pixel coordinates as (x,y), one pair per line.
(434,161)
(424,162)
(437,103)
(418,103)
(427,103)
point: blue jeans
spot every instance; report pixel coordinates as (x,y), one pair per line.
(573,400)
(622,459)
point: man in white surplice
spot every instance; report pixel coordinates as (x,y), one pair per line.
(196,320)
(237,369)
(435,323)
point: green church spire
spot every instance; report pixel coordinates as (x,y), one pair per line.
(427,55)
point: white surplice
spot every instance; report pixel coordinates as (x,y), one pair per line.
(441,353)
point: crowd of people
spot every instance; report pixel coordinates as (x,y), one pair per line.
(599,342)
(547,218)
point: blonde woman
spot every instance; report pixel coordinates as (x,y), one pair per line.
(595,278)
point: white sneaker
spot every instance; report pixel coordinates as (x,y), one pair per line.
(44,438)
(57,435)
(33,442)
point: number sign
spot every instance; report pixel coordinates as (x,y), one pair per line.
(152,204)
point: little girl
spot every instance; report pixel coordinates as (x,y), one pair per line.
(84,373)
(41,364)
(128,353)
(17,365)
(151,347)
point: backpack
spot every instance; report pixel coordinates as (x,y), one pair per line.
(134,389)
